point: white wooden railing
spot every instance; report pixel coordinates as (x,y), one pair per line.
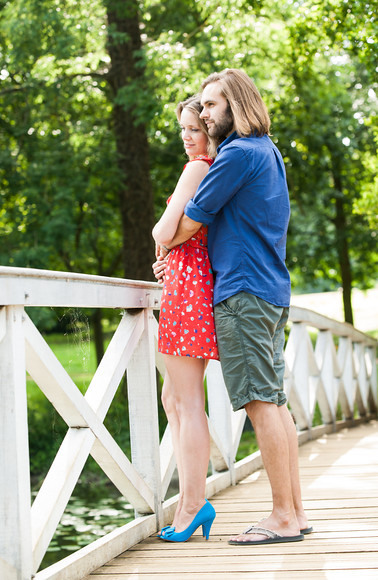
(341,376)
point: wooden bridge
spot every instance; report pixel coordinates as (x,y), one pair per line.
(340,488)
(329,365)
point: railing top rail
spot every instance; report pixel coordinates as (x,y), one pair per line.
(321,322)
(33,287)
(8,271)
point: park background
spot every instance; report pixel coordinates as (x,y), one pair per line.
(90,150)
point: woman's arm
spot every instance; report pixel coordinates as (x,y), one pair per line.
(165,229)
(186,229)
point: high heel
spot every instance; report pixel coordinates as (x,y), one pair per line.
(204,517)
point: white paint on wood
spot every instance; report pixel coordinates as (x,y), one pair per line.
(315,320)
(15,527)
(325,375)
(143,411)
(371,366)
(31,287)
(167,460)
(92,436)
(218,455)
(220,416)
(306,379)
(361,377)
(238,418)
(348,387)
(326,358)
(3,323)
(8,572)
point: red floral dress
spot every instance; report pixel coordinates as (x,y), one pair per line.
(186,322)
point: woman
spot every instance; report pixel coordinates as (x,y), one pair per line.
(186,332)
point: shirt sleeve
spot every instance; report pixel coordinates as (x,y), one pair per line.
(226,176)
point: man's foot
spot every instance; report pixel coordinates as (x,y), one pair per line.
(255,535)
(307,530)
(304,526)
(278,526)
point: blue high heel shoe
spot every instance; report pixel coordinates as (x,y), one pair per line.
(163,530)
(204,518)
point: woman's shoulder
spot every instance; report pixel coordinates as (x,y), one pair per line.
(206,158)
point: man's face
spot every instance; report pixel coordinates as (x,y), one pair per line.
(216,112)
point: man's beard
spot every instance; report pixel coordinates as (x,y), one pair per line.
(223,127)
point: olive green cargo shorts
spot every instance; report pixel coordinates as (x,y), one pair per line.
(251,338)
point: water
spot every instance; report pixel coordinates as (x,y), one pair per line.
(85,520)
(91,513)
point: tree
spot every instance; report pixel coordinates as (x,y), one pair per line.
(326,116)
(75,180)
(89,140)
(131,110)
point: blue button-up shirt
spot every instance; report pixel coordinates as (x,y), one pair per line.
(244,201)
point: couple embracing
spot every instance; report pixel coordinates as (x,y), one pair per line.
(220,249)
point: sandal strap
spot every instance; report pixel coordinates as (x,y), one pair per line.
(263,531)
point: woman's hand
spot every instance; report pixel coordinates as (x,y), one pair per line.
(159,267)
(161,252)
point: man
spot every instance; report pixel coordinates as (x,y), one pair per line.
(244,201)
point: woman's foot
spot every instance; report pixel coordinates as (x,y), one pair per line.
(176,518)
(185,517)
(204,517)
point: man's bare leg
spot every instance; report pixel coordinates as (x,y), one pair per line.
(271,427)
(291,432)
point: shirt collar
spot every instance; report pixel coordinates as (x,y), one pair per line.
(230,138)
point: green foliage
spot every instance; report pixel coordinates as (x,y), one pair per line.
(324,116)
(59,174)
(59,177)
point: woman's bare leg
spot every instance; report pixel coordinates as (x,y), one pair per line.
(185,376)
(169,405)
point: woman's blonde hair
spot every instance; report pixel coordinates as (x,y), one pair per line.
(193,104)
(247,107)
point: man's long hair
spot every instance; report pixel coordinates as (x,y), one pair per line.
(247,107)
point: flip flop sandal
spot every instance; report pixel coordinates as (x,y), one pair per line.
(306,531)
(272,537)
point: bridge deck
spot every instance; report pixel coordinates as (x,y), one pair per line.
(339,474)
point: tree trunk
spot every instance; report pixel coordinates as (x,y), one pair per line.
(343,250)
(127,80)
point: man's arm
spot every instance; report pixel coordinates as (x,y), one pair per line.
(186,229)
(221,183)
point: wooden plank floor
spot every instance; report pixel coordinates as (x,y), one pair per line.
(339,474)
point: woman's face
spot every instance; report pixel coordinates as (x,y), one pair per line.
(195,140)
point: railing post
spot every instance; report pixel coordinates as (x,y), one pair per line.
(326,358)
(220,414)
(372,364)
(15,524)
(143,412)
(348,376)
(305,375)
(362,382)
